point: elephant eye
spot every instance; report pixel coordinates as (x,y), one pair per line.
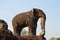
(36,14)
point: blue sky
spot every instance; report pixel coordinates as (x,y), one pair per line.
(10,8)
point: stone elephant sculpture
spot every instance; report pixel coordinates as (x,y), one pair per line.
(29,19)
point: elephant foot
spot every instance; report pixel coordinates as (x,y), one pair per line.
(15,34)
(30,34)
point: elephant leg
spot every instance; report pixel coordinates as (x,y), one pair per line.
(30,29)
(19,28)
(18,31)
(14,27)
(15,31)
(34,31)
(43,25)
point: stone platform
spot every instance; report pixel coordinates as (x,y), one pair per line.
(7,35)
(21,38)
(32,38)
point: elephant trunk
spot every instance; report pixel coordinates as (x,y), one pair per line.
(43,19)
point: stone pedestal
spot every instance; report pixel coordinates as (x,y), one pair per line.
(32,38)
(7,35)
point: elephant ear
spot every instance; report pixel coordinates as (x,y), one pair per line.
(34,11)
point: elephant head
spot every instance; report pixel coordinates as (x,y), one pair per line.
(37,13)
